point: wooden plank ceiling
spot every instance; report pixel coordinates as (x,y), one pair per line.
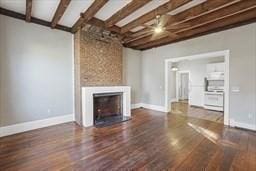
(135,20)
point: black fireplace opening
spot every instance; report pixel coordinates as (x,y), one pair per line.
(108,109)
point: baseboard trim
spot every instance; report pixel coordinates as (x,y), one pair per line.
(148,106)
(136,105)
(153,107)
(233,123)
(27,126)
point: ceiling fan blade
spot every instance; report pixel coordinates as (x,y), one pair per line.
(154,37)
(159,35)
(138,37)
(164,20)
(143,32)
(170,34)
(178,26)
(148,26)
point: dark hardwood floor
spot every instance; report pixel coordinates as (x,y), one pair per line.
(183,108)
(150,141)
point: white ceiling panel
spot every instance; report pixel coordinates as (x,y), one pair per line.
(14,5)
(145,9)
(186,6)
(111,8)
(73,11)
(44,9)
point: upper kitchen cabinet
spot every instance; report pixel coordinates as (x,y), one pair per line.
(215,67)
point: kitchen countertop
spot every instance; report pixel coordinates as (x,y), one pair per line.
(214,92)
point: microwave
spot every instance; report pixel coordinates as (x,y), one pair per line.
(215,76)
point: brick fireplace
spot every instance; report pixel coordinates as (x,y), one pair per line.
(97,63)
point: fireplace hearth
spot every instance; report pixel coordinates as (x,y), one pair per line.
(108,109)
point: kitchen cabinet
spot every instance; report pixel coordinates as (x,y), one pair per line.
(215,67)
(215,71)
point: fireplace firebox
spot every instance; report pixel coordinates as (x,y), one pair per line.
(108,108)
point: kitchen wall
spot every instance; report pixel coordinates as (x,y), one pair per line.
(198,73)
(240,41)
(36,76)
(132,73)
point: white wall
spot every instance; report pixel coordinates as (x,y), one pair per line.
(36,76)
(36,70)
(172,84)
(132,73)
(240,41)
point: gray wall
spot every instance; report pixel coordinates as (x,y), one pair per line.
(132,73)
(242,45)
(36,77)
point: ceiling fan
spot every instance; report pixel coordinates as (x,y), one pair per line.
(160,28)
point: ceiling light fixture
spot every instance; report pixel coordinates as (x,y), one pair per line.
(174,67)
(158,26)
(158,29)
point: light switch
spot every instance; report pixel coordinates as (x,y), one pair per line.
(235,89)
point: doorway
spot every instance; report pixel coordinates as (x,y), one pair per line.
(182,87)
(181,94)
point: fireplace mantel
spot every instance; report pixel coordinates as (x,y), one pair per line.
(87,101)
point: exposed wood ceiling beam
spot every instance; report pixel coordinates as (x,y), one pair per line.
(206,19)
(125,11)
(137,35)
(239,19)
(59,12)
(89,14)
(28,10)
(210,16)
(99,23)
(163,9)
(114,29)
(33,19)
(199,10)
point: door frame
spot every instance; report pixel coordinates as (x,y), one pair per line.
(224,53)
(178,73)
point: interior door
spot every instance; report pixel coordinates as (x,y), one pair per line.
(184,86)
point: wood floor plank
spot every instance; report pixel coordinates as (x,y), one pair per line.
(183,108)
(240,162)
(150,141)
(251,153)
